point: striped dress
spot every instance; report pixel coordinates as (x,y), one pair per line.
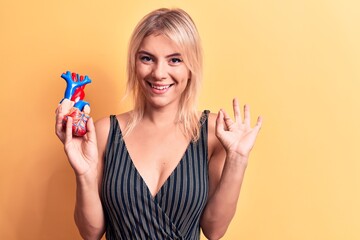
(131,211)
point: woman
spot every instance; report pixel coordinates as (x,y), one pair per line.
(163,170)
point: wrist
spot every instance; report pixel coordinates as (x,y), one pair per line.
(87,179)
(236,159)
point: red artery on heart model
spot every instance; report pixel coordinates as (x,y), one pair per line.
(74,91)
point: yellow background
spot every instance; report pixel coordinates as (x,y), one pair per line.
(297,63)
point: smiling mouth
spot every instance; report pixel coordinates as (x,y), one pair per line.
(160,87)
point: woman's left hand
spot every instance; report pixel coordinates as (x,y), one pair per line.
(237,137)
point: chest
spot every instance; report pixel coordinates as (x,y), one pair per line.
(173,210)
(156,154)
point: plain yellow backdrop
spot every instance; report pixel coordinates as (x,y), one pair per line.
(297,63)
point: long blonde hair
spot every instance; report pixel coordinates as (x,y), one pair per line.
(178,26)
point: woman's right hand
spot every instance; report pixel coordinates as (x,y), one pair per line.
(82,151)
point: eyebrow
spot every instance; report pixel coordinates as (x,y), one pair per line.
(170,55)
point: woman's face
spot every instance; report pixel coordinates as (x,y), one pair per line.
(161,71)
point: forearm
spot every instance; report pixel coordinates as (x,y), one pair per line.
(89,215)
(221,205)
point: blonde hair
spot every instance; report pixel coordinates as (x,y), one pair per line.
(178,26)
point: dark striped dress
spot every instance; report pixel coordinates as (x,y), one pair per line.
(131,211)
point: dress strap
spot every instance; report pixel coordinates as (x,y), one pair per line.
(204,116)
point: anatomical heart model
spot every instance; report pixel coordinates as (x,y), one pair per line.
(74,91)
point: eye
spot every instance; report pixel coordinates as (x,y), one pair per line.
(175,60)
(145,58)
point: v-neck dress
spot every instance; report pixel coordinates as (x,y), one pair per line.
(131,212)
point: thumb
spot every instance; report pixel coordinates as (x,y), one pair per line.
(68,130)
(91,134)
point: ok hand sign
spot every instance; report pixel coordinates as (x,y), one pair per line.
(237,136)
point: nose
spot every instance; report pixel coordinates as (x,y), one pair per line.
(159,71)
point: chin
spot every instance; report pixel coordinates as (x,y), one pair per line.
(160,102)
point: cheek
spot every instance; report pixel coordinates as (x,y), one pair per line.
(183,75)
(142,71)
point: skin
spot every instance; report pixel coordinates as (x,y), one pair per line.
(163,78)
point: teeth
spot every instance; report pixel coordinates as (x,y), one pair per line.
(160,87)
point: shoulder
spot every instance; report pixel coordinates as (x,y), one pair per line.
(103,124)
(102,127)
(212,121)
(211,127)
(214,145)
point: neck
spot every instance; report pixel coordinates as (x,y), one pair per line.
(161,116)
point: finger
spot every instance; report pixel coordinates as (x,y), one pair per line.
(227,119)
(91,134)
(64,107)
(259,123)
(62,110)
(57,108)
(237,113)
(247,114)
(257,127)
(68,131)
(59,127)
(86,109)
